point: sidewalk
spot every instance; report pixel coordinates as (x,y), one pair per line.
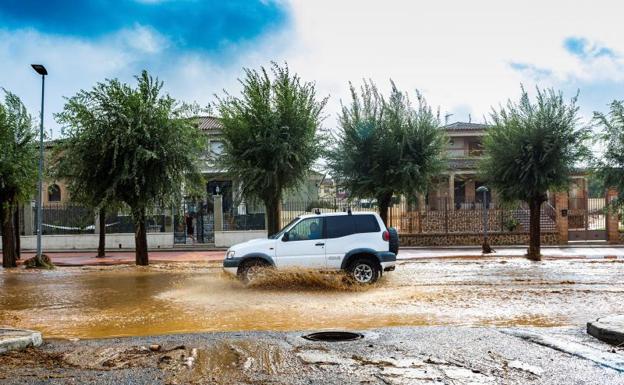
(549,252)
(87,258)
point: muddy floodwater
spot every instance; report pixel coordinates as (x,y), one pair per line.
(174,298)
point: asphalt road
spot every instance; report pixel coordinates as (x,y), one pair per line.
(420,355)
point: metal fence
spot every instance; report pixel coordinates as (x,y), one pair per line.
(64,218)
(438,216)
(244,216)
(69,218)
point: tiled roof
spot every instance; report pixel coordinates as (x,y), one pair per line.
(209,123)
(463,126)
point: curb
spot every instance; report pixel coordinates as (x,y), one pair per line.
(609,329)
(18,339)
(493,255)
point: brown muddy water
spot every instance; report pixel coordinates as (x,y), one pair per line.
(174,298)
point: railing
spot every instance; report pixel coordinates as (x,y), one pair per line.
(464,153)
(68,218)
(438,216)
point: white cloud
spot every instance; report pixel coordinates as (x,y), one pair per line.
(458,53)
(142,39)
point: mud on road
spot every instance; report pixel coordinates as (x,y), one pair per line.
(396,356)
(94,302)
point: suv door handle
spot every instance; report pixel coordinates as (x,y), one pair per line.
(319,244)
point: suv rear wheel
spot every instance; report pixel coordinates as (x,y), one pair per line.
(364,271)
(252,270)
(394,240)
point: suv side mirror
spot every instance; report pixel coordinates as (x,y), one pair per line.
(285,237)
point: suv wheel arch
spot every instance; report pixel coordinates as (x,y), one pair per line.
(357,253)
(255,257)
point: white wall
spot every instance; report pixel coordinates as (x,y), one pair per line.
(229,238)
(90,241)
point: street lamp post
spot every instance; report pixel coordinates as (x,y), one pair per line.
(485,247)
(41,70)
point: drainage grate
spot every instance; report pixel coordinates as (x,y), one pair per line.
(333,336)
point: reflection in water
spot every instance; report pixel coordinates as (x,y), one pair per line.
(125,300)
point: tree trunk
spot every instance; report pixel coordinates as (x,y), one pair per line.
(8,236)
(101,253)
(274,213)
(534,229)
(16,227)
(384,202)
(140,237)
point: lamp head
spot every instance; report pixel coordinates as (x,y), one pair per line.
(482,189)
(40,69)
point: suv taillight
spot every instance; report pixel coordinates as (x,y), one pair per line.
(386,235)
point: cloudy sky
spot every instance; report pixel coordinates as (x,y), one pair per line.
(465,56)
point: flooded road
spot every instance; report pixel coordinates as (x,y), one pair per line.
(175,298)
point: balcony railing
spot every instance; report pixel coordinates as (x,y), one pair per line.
(465,153)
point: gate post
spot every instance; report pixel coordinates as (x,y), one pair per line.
(29,218)
(612,220)
(218,212)
(561,216)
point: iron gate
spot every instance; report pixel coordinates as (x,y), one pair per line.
(587,219)
(194,222)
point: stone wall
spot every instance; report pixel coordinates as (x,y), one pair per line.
(455,221)
(472,239)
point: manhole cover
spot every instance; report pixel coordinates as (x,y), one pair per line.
(333,336)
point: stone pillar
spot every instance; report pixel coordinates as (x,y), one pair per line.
(169,213)
(470,193)
(612,220)
(451,192)
(218,212)
(421,202)
(28,216)
(561,221)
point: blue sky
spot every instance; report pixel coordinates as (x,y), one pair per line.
(464,56)
(203,26)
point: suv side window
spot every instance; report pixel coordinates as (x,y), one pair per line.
(340,226)
(307,229)
(366,224)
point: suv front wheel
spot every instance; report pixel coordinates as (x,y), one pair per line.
(253,269)
(364,271)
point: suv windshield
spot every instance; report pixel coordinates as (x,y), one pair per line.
(283,230)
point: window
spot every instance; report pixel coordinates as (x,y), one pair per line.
(307,229)
(216,147)
(54,193)
(366,224)
(475,149)
(340,226)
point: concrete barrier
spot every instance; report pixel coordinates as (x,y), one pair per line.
(609,329)
(229,238)
(18,339)
(90,241)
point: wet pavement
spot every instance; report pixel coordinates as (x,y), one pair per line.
(395,356)
(94,302)
(432,321)
(87,257)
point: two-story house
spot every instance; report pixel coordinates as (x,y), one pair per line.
(456,187)
(219,181)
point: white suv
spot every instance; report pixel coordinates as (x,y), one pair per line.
(358,243)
